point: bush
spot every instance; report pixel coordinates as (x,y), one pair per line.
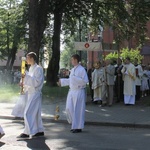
(125,52)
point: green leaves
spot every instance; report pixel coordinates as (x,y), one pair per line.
(125,52)
(12,23)
(127,18)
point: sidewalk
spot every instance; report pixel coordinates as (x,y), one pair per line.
(117,115)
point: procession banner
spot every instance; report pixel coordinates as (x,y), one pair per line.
(88,46)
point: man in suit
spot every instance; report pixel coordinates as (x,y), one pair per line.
(89,73)
(110,74)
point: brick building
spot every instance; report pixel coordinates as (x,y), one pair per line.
(17,62)
(109,46)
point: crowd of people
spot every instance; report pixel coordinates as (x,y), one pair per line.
(122,81)
(9,77)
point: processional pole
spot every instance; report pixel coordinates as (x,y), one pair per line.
(23,64)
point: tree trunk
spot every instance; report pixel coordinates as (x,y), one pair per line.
(13,56)
(8,61)
(33,44)
(37,23)
(53,68)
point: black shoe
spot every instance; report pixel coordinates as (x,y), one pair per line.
(76,130)
(95,102)
(1,135)
(39,134)
(71,130)
(22,135)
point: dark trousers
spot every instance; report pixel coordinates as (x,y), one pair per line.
(91,90)
(119,89)
(138,93)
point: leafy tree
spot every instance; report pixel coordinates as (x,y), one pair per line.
(132,53)
(125,52)
(38,16)
(112,56)
(67,53)
(64,11)
(12,22)
(66,15)
(127,18)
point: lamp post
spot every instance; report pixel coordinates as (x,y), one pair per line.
(80,52)
(86,40)
(100,39)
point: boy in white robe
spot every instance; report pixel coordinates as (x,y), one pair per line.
(1,132)
(18,110)
(33,80)
(129,76)
(75,105)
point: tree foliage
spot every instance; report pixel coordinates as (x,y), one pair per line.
(125,52)
(127,18)
(12,21)
(65,12)
(67,53)
(71,18)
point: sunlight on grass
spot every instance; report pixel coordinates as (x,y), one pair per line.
(10,93)
(54,93)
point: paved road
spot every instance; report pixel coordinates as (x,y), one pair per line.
(118,127)
(58,137)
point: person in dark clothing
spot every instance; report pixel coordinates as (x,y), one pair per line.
(119,81)
(89,73)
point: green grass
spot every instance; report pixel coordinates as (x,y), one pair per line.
(10,93)
(54,94)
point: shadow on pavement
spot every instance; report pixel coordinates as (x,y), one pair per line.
(37,143)
(1,144)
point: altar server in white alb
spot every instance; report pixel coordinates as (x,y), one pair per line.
(75,105)
(129,76)
(1,132)
(33,80)
(18,110)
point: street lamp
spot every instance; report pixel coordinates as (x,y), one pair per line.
(100,39)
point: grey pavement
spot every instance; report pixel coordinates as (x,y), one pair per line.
(58,137)
(99,131)
(117,115)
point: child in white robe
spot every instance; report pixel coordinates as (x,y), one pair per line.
(18,110)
